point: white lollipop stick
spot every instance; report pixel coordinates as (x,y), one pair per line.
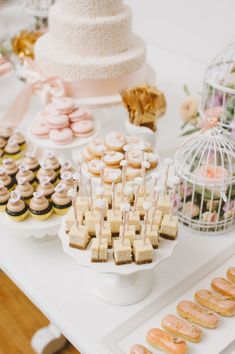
(146,206)
(126,148)
(126,194)
(90,195)
(73,194)
(167,163)
(157,191)
(144,166)
(155,177)
(102,166)
(124,164)
(125,208)
(138,181)
(175,182)
(80,161)
(113,178)
(101,206)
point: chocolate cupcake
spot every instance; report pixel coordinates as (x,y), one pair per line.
(39,207)
(46,187)
(47,171)
(67,180)
(6,131)
(53,162)
(16,208)
(12,150)
(32,162)
(4,196)
(25,189)
(11,167)
(2,143)
(7,181)
(66,167)
(61,202)
(19,139)
(25,172)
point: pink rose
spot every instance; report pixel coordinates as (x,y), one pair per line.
(189,109)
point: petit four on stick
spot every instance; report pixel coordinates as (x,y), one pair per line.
(99,246)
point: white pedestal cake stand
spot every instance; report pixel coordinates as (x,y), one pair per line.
(31,227)
(120,285)
(64,152)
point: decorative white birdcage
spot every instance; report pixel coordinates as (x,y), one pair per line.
(205,164)
(218,95)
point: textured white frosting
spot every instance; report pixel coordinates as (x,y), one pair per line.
(91,8)
(90,36)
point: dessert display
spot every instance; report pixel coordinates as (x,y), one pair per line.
(166,342)
(144,105)
(93,46)
(62,121)
(117,152)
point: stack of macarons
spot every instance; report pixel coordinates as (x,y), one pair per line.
(61,121)
(6,66)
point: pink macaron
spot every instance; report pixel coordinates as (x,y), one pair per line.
(40,130)
(50,108)
(61,136)
(83,128)
(79,114)
(64,105)
(57,122)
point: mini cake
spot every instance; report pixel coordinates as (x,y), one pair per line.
(140,204)
(32,162)
(61,202)
(164,204)
(16,208)
(70,219)
(12,150)
(78,237)
(25,189)
(11,167)
(169,227)
(19,139)
(66,167)
(143,251)
(91,219)
(122,251)
(134,219)
(99,250)
(82,203)
(115,220)
(53,162)
(67,180)
(156,219)
(39,207)
(129,233)
(25,172)
(2,143)
(106,232)
(4,196)
(46,187)
(46,170)
(7,181)
(152,234)
(6,131)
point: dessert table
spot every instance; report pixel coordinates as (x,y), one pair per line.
(60,288)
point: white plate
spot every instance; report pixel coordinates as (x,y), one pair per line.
(214,341)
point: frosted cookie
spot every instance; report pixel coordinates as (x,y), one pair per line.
(231,274)
(108,173)
(99,250)
(197,314)
(87,155)
(91,219)
(181,328)
(224,287)
(166,342)
(122,251)
(96,147)
(143,251)
(115,220)
(153,159)
(115,141)
(106,232)
(135,157)
(113,158)
(152,234)
(132,173)
(139,349)
(94,167)
(164,204)
(169,227)
(223,305)
(79,237)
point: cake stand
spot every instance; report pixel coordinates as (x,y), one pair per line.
(31,227)
(64,152)
(120,285)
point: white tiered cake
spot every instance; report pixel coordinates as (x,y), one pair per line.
(90,43)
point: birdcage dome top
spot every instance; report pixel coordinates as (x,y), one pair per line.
(221,72)
(207,158)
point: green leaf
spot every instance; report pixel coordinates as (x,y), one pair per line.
(186,90)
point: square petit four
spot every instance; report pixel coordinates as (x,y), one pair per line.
(106,232)
(122,251)
(119,192)
(140,204)
(70,219)
(143,251)
(91,219)
(129,233)
(99,250)
(97,208)
(169,227)
(82,203)
(164,204)
(157,217)
(79,237)
(134,219)
(115,220)
(151,234)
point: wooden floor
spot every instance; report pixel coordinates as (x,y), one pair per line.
(19,320)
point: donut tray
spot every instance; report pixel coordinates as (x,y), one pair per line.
(214,341)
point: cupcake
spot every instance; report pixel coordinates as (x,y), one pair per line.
(7,181)
(47,171)
(2,143)
(16,208)
(46,187)
(25,189)
(25,172)
(39,207)
(19,139)
(61,202)
(12,150)
(6,131)
(11,167)
(31,161)
(4,196)
(53,162)
(67,180)
(66,167)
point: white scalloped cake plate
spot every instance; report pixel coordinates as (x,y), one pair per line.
(214,341)
(83,258)
(31,227)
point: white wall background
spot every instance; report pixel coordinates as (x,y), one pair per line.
(195,28)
